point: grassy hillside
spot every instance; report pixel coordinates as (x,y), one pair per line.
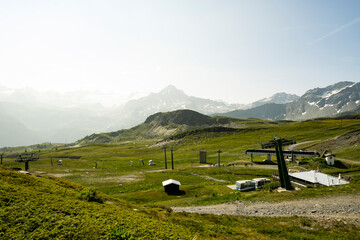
(167,124)
(39,207)
(42,207)
(107,167)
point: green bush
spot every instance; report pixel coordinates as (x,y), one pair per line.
(120,234)
(271,186)
(90,195)
(305,222)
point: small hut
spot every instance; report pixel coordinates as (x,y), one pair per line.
(171,186)
(330,159)
(202,156)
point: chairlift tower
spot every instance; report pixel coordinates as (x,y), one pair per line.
(285,181)
(277,143)
(26,158)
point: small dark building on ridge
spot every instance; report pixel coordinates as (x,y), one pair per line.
(171,186)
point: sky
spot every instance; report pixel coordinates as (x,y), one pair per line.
(232,50)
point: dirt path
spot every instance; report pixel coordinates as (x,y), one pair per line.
(346,208)
(292,147)
(348,161)
(209,178)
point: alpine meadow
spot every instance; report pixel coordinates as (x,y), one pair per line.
(182,119)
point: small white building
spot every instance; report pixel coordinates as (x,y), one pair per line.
(316,178)
(259,182)
(330,159)
(245,185)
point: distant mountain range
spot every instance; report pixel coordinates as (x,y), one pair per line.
(332,101)
(278,98)
(169,99)
(29,118)
(268,111)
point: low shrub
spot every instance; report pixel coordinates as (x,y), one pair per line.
(271,186)
(90,195)
(120,234)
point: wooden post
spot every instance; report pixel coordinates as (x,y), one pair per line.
(172,159)
(52,165)
(219,157)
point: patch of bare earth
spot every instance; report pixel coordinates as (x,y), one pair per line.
(344,208)
(60,175)
(347,139)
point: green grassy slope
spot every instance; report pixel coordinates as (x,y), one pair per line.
(41,207)
(140,184)
(35,207)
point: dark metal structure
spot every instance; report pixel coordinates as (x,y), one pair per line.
(277,143)
(26,158)
(172,159)
(286,153)
(283,172)
(271,143)
(165,158)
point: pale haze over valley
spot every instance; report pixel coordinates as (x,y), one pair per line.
(76,54)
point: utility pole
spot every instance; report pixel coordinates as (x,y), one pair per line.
(172,159)
(165,158)
(219,157)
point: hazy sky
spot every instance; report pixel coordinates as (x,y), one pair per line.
(237,51)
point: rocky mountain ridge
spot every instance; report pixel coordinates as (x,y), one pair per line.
(331,101)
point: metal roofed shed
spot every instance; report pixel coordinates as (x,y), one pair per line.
(171,186)
(316,178)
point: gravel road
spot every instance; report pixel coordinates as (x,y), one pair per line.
(345,207)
